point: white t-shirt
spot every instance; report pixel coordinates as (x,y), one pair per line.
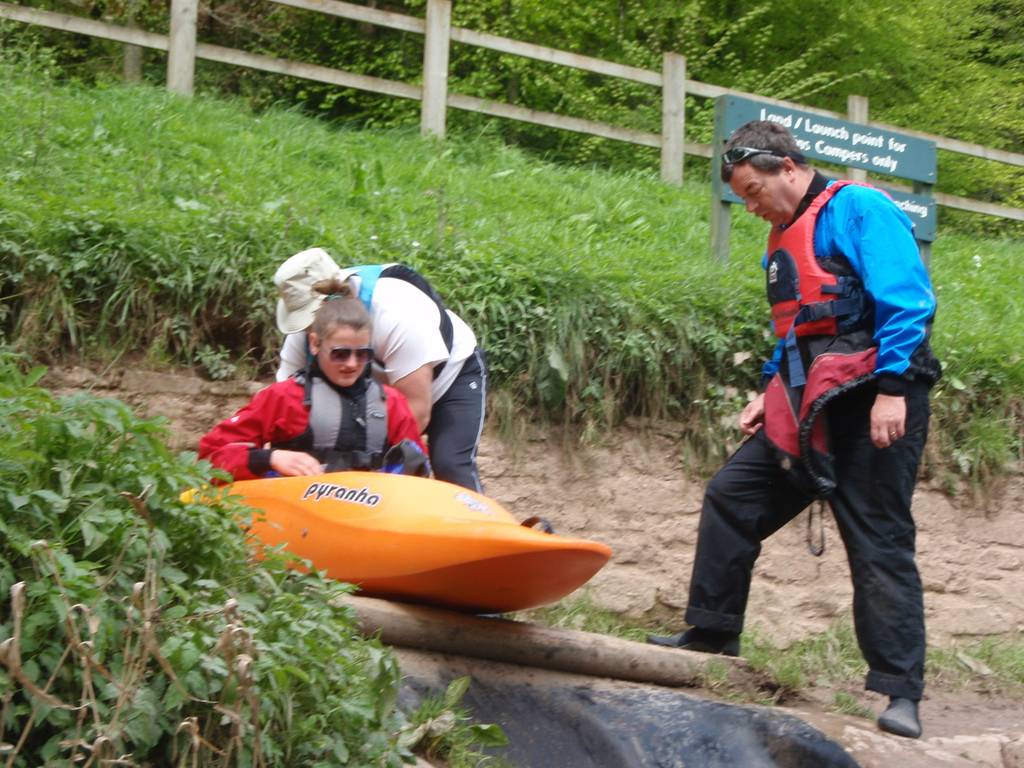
(406,336)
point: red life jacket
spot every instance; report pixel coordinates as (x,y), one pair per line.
(796,279)
(823,305)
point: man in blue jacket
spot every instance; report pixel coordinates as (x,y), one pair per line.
(843,414)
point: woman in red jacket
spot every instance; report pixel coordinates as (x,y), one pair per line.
(331,416)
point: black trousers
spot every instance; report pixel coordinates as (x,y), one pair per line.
(456,421)
(751,497)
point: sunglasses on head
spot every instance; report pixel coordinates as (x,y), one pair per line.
(739,154)
(344,354)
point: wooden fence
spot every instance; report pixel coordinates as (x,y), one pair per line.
(183,49)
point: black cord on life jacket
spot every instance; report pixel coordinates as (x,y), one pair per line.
(816,548)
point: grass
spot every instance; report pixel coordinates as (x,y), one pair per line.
(133,221)
(580,613)
(824,659)
(991,662)
(845,704)
(830,659)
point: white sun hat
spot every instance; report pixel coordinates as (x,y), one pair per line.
(297,301)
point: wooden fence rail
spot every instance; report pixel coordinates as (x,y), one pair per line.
(435,98)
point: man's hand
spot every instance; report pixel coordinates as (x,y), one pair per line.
(752,417)
(294,463)
(888,419)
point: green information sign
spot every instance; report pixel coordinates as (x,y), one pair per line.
(921,209)
(835,140)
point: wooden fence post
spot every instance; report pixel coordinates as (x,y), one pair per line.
(857,111)
(721,225)
(435,67)
(181,46)
(132,67)
(673,117)
(132,63)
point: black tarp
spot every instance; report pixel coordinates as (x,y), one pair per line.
(595,725)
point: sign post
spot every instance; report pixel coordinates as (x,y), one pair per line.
(832,140)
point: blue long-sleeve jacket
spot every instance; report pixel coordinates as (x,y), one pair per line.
(876,238)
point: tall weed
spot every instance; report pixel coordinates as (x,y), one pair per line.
(131,220)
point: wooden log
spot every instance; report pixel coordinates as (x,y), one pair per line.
(530,645)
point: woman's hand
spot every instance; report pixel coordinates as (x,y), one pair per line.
(294,463)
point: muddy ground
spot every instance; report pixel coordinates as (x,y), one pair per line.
(635,494)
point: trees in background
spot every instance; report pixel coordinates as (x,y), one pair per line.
(951,67)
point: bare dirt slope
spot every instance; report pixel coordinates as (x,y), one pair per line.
(635,494)
(637,497)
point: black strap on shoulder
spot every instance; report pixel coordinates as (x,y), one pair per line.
(410,275)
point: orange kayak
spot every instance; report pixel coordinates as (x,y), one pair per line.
(409,538)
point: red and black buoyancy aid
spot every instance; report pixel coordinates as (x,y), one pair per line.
(344,432)
(821,311)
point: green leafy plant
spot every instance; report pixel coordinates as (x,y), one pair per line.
(137,624)
(216,363)
(441,728)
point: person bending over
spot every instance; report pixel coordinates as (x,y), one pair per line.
(420,347)
(329,416)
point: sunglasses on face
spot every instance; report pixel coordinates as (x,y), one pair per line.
(344,354)
(739,154)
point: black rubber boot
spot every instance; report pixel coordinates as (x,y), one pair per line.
(703,640)
(901,718)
